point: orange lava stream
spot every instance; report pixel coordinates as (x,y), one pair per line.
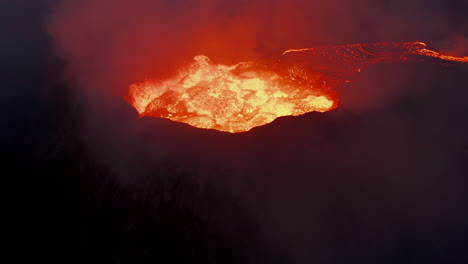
(431,53)
(239,97)
(407,48)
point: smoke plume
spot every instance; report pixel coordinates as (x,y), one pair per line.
(110,44)
(382,179)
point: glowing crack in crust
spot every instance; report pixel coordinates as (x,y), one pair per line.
(239,97)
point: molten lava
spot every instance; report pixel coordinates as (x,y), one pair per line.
(229,98)
(239,97)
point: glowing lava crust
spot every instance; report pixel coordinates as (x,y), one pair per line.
(239,97)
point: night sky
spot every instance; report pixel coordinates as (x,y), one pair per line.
(381,179)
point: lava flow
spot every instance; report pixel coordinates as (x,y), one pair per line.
(239,97)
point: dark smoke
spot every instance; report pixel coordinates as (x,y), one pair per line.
(380,180)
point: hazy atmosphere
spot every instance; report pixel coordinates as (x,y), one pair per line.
(380,179)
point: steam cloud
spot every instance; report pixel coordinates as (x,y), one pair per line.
(380,186)
(110,44)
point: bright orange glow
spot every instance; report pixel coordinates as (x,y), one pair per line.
(228,98)
(239,97)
